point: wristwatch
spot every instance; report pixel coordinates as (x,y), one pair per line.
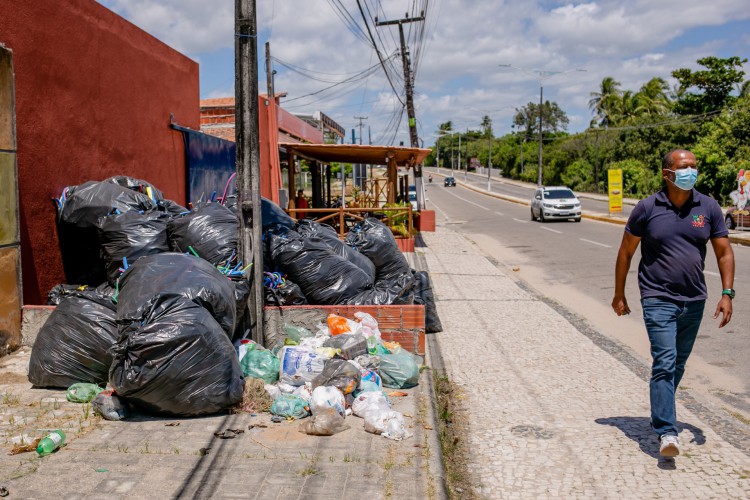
(728,291)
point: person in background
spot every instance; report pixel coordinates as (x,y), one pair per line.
(300,202)
(673,227)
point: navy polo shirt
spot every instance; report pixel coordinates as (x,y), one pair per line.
(673,244)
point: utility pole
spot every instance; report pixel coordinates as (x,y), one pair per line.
(489,157)
(269,75)
(360,118)
(409,97)
(360,169)
(247,160)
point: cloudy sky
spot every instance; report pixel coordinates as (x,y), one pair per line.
(457,51)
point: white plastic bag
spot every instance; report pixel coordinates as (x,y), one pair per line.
(272,390)
(368,325)
(304,391)
(370,401)
(299,365)
(325,397)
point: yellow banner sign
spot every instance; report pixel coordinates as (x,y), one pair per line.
(615,190)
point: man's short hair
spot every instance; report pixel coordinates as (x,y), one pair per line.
(668,161)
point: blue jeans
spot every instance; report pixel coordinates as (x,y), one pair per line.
(672,328)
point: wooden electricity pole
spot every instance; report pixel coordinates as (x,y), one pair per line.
(409,98)
(248,156)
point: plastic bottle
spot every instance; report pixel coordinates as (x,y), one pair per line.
(53,441)
(372,345)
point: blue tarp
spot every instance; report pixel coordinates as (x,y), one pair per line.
(210,163)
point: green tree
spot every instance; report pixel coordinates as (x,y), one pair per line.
(554,118)
(602,102)
(714,85)
(652,98)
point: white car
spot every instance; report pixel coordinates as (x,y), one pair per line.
(555,202)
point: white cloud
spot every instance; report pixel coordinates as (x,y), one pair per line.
(458,74)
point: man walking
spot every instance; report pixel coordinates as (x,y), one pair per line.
(673,226)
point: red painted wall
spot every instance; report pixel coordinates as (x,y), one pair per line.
(93,99)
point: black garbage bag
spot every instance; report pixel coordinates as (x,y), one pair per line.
(376,242)
(179,363)
(211,230)
(423,295)
(308,228)
(324,276)
(72,345)
(171,208)
(155,277)
(338,373)
(288,294)
(272,214)
(394,290)
(131,235)
(77,216)
(137,185)
(241,294)
(60,292)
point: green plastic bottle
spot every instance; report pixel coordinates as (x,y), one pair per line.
(53,441)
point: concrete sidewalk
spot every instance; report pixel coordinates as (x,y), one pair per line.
(545,407)
(553,409)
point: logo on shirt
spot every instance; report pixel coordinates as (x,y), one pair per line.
(699,220)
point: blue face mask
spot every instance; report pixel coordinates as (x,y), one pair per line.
(685,178)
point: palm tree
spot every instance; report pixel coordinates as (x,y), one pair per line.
(603,101)
(652,98)
(745,89)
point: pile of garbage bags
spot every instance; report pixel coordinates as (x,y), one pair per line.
(157,294)
(340,370)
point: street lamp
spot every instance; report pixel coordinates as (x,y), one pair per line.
(541,75)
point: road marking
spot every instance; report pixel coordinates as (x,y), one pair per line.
(521,221)
(711,273)
(595,243)
(445,216)
(467,201)
(499,213)
(552,230)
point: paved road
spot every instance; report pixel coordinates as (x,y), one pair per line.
(573,264)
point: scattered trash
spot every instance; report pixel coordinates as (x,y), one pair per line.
(290,406)
(25,448)
(172,424)
(340,374)
(516,269)
(397,394)
(260,363)
(298,365)
(111,406)
(326,422)
(399,370)
(53,441)
(101,470)
(203,451)
(277,419)
(257,426)
(4,491)
(328,397)
(255,397)
(82,393)
(229,433)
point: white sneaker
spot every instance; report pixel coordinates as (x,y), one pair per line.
(669,446)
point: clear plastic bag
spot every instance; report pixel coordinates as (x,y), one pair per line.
(338,373)
(326,422)
(110,406)
(327,397)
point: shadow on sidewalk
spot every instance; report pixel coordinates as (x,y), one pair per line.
(639,430)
